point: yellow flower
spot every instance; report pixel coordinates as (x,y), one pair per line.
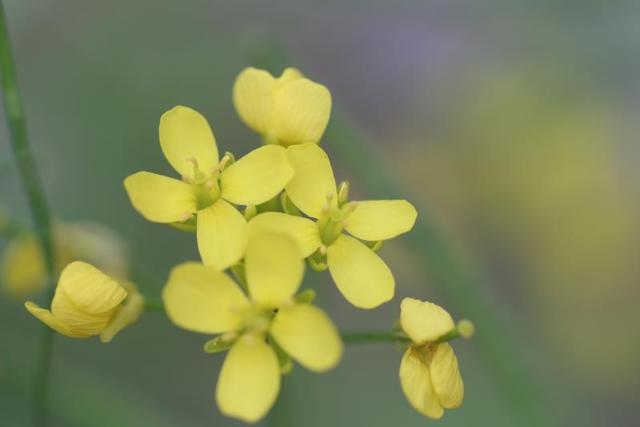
(22,268)
(287,110)
(359,273)
(429,373)
(201,299)
(87,302)
(208,187)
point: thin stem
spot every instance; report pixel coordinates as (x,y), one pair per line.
(35,197)
(369,337)
(153,304)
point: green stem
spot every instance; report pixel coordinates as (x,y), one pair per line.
(372,337)
(37,203)
(153,304)
(359,337)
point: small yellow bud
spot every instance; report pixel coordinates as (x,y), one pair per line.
(87,302)
(429,372)
(286,110)
(343,192)
(127,314)
(466,328)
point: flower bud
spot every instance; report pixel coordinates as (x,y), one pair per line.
(429,373)
(87,302)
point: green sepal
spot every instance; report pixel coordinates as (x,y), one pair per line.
(287,205)
(306,297)
(218,344)
(271,205)
(284,360)
(250,211)
(316,264)
(188,226)
(375,246)
(239,273)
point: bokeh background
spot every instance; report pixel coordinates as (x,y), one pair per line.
(512,125)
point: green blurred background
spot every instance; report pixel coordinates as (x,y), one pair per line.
(511,124)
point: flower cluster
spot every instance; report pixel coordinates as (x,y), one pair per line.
(258,218)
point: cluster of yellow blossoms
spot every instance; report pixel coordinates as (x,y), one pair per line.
(260,217)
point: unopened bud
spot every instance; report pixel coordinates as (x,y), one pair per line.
(343,192)
(466,328)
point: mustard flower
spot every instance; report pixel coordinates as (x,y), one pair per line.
(359,273)
(201,299)
(429,373)
(290,109)
(87,302)
(22,268)
(209,187)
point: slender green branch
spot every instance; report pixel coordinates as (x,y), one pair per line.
(153,304)
(372,337)
(35,196)
(359,337)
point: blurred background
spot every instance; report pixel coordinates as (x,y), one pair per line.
(512,125)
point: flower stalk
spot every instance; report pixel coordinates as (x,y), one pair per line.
(35,197)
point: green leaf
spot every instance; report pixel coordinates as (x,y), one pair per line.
(218,344)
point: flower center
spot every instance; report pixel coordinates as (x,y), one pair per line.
(206,185)
(207,193)
(257,320)
(332,221)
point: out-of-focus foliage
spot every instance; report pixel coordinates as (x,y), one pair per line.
(532,181)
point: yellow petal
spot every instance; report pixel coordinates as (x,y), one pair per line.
(201,299)
(416,385)
(424,321)
(89,289)
(75,320)
(381,219)
(256,177)
(48,319)
(127,314)
(274,268)
(313,180)
(445,376)
(22,269)
(253,98)
(361,275)
(222,235)
(307,334)
(301,110)
(249,381)
(288,75)
(159,198)
(185,136)
(303,230)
